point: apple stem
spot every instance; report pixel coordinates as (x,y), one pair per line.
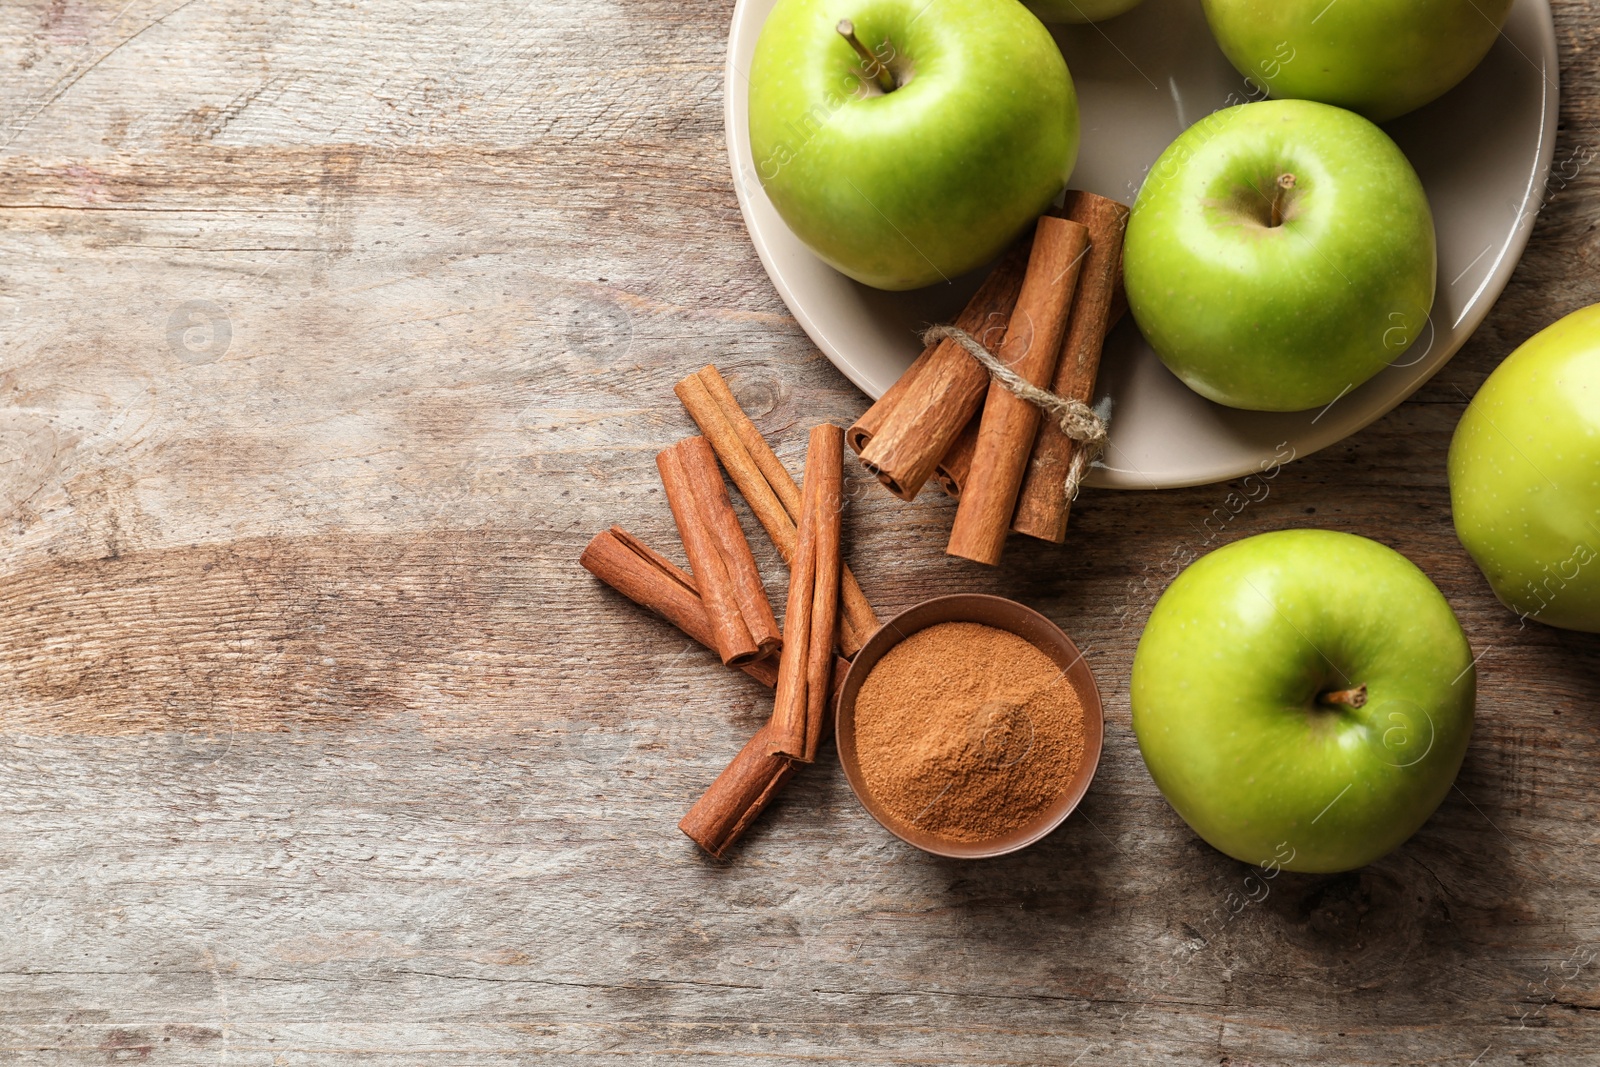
(1349,698)
(1284,184)
(874,69)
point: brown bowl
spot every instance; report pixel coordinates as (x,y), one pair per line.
(1002,614)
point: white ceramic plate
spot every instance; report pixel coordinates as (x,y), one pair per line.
(1483,152)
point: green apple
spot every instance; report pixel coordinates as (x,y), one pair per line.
(915,148)
(1525,476)
(1080,10)
(1303,699)
(1379,57)
(1279,254)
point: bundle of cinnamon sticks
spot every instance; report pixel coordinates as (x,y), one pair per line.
(723,604)
(1044,312)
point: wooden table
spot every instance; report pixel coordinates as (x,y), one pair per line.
(332,332)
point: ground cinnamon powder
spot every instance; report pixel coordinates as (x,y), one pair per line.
(967,731)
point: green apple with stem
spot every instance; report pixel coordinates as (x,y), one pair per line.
(1303,698)
(906,142)
(1279,254)
(1080,10)
(1382,58)
(1525,476)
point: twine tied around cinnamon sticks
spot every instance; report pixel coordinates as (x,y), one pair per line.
(1014,449)
(1077,420)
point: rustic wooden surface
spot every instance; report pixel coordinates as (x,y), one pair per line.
(331,333)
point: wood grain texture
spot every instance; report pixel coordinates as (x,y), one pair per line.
(332,332)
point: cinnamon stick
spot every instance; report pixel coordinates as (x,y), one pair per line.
(725,810)
(907,431)
(788,724)
(724,570)
(861,432)
(1031,348)
(650,580)
(957,462)
(1042,504)
(755,609)
(812,616)
(767,486)
(826,580)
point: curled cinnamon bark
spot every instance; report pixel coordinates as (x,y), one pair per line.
(1042,504)
(909,429)
(652,581)
(724,569)
(1031,348)
(811,620)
